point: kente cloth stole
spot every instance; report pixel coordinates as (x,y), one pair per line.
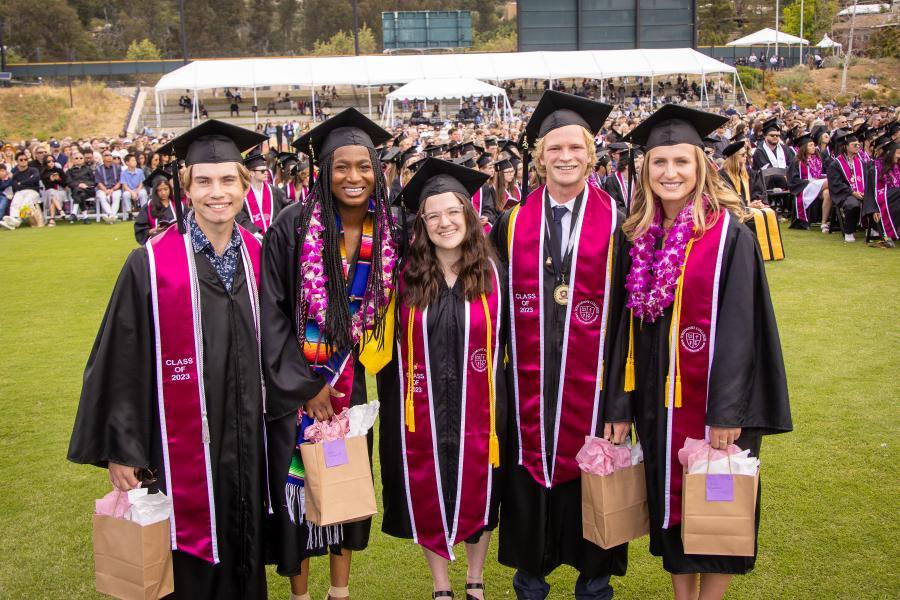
(184,427)
(584,333)
(692,338)
(434,525)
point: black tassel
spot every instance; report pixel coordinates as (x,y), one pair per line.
(176,187)
(631,176)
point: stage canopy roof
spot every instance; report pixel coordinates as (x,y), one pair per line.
(429,89)
(383,70)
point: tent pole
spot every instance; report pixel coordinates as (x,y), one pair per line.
(313,91)
(256,104)
(158,116)
(651,93)
(369,89)
(192,108)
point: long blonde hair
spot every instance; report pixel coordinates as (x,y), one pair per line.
(735,166)
(709,184)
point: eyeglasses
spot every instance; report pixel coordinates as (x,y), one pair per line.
(260,171)
(23,159)
(434,218)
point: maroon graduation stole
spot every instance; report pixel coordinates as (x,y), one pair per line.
(854,173)
(587,311)
(179,382)
(260,209)
(435,526)
(692,338)
(476,204)
(881,199)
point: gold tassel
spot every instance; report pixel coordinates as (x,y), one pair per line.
(410,373)
(666,395)
(494,442)
(678,391)
(629,361)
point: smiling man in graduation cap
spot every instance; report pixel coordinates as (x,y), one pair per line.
(771,151)
(565,253)
(328,276)
(173,390)
(264,200)
(704,358)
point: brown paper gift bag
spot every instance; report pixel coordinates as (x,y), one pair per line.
(720,528)
(614,507)
(338,483)
(131,561)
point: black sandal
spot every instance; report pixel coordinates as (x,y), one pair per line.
(442,594)
(474,586)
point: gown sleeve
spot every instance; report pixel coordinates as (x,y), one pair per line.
(489,204)
(499,237)
(243,219)
(869,204)
(838,186)
(289,382)
(748,384)
(116,412)
(617,402)
(757,186)
(795,183)
(141,227)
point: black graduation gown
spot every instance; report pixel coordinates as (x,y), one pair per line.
(747,389)
(796,185)
(142,223)
(540,528)
(489,204)
(611,187)
(446,336)
(279,202)
(870,206)
(118,418)
(839,188)
(761,159)
(289,384)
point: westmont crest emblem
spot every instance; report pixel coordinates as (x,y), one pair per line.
(693,339)
(587,311)
(478,359)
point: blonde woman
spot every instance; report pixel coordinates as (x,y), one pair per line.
(700,308)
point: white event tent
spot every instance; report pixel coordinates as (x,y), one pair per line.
(768,37)
(827,42)
(447,88)
(376,70)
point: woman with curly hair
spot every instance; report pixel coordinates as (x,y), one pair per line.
(327,279)
(705,359)
(444,395)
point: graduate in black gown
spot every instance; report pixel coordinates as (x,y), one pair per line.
(118,424)
(882,199)
(540,524)
(159,212)
(447,271)
(738,396)
(846,180)
(264,199)
(343,231)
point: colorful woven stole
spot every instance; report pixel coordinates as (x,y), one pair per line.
(260,210)
(881,199)
(184,427)
(692,338)
(436,526)
(584,334)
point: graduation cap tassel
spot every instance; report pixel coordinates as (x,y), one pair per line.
(312,167)
(410,373)
(631,177)
(494,442)
(629,361)
(526,160)
(176,190)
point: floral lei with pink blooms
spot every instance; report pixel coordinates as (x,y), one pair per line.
(315,293)
(653,278)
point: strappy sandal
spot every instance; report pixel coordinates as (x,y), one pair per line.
(442,594)
(301,597)
(474,586)
(337,593)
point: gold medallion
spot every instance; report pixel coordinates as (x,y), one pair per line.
(561,294)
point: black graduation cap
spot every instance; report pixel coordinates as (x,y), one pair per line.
(556,109)
(416,165)
(515,160)
(843,136)
(399,138)
(434,150)
(286,158)
(818,132)
(801,138)
(404,156)
(212,142)
(617,147)
(347,128)
(771,125)
(503,164)
(484,160)
(673,124)
(509,147)
(158,175)
(736,144)
(465,161)
(254,161)
(437,176)
(390,154)
(466,147)
(885,144)
(490,142)
(710,143)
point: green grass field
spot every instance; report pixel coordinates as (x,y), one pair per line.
(831,511)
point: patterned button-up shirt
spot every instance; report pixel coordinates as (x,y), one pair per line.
(225,264)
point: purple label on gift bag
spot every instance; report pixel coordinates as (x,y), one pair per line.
(335,453)
(719,488)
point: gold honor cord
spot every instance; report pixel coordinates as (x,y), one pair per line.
(675,328)
(494,445)
(410,385)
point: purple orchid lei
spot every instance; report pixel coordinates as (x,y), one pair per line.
(315,294)
(654,273)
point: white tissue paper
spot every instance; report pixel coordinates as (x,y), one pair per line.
(637,453)
(147,509)
(740,464)
(361,417)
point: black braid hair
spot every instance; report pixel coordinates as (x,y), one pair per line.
(337,329)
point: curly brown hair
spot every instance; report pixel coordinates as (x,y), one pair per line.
(422,274)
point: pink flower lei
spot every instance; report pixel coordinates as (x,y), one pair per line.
(315,294)
(654,273)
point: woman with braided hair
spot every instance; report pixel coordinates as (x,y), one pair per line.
(328,274)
